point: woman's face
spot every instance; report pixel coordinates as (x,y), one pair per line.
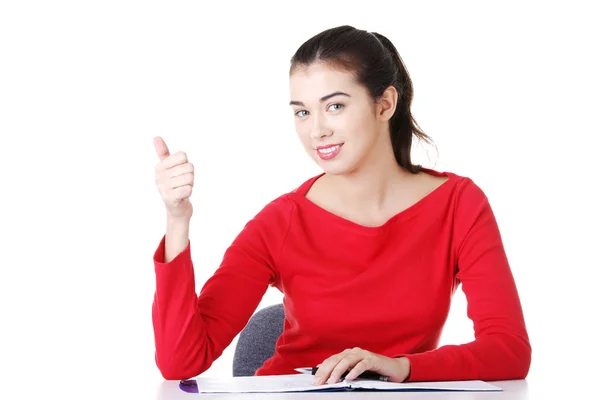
(335,118)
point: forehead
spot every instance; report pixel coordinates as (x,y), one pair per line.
(308,83)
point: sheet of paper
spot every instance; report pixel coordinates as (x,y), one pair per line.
(474,385)
(303,383)
(262,384)
(449,385)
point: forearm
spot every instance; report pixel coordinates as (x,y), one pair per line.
(496,357)
(179,331)
(177,237)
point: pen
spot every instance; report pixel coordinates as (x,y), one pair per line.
(365,375)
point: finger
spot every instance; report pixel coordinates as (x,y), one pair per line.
(161,148)
(174,160)
(182,180)
(358,369)
(182,192)
(318,378)
(327,366)
(322,372)
(180,169)
(343,365)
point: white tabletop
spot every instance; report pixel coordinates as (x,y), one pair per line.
(514,390)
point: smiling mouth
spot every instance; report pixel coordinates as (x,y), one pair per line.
(330,149)
(329,152)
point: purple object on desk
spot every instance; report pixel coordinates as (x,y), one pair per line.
(189,386)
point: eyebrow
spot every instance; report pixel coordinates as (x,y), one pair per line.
(324,98)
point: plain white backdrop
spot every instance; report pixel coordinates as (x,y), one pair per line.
(508,92)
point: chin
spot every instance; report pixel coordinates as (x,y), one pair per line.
(342,164)
(334,168)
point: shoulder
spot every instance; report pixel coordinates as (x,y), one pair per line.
(468,195)
(470,205)
(276,211)
(282,206)
(457,190)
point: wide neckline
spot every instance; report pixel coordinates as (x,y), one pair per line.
(407,213)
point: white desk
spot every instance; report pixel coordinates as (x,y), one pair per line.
(514,390)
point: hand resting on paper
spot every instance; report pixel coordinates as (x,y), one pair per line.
(358,361)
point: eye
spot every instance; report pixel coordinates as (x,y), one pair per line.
(337,104)
(297,113)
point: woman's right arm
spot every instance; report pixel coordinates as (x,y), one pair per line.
(191,331)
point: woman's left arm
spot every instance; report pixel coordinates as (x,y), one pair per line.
(501,349)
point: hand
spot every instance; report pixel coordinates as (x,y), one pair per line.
(174,177)
(358,361)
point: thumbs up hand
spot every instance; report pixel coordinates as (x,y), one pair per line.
(174,177)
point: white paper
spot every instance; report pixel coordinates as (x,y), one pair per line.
(474,385)
(303,383)
(262,384)
(445,386)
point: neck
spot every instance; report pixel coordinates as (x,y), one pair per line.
(370,186)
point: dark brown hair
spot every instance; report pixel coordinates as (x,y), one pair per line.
(377,65)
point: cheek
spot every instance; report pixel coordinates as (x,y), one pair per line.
(303,134)
(301,130)
(365,129)
(352,122)
(365,122)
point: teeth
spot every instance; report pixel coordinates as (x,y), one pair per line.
(329,149)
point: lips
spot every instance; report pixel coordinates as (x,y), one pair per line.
(329,151)
(328,146)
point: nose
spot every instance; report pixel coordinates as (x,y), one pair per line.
(319,129)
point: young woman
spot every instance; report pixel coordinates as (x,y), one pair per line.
(368,254)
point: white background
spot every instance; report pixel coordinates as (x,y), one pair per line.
(509,93)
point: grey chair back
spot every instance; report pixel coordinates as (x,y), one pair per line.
(256,343)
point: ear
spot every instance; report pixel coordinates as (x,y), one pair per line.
(386,105)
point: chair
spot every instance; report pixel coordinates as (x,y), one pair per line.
(256,343)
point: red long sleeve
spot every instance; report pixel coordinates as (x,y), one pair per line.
(192,331)
(501,348)
(385,289)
